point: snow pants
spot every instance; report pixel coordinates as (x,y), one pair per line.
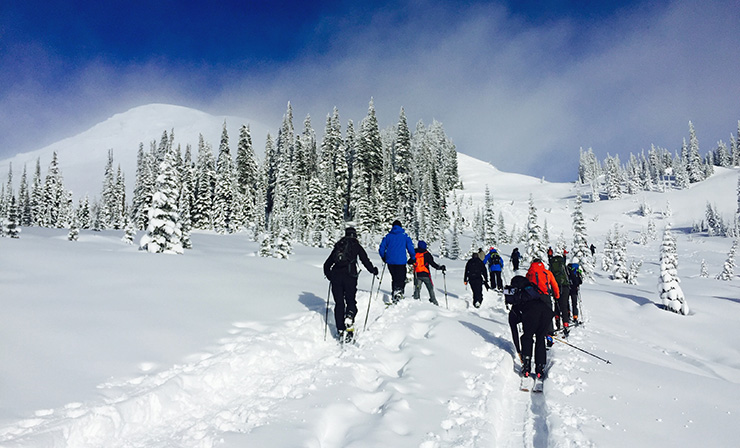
(476,286)
(496,282)
(398,278)
(344,290)
(430,287)
(536,319)
(515,317)
(574,299)
(562,304)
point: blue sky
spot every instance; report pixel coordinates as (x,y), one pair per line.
(523,85)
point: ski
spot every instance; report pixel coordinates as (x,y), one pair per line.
(526,384)
(538,385)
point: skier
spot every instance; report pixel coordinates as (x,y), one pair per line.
(341,270)
(576,278)
(549,254)
(593,249)
(477,274)
(537,318)
(422,260)
(392,250)
(515,258)
(560,272)
(495,265)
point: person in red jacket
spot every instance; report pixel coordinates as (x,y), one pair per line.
(537,318)
(422,261)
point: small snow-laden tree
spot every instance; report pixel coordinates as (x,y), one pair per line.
(283,246)
(703,272)
(728,270)
(581,251)
(164,233)
(266,245)
(607,258)
(619,269)
(129,232)
(10,228)
(454,251)
(634,270)
(668,283)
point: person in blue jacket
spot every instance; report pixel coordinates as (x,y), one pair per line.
(495,265)
(395,250)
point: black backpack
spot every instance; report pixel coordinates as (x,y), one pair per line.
(520,291)
(343,252)
(495,258)
(557,267)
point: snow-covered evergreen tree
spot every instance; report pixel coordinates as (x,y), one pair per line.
(164,233)
(205,180)
(581,249)
(703,272)
(534,247)
(668,283)
(10,228)
(143,188)
(283,246)
(225,188)
(490,237)
(728,269)
(129,232)
(693,162)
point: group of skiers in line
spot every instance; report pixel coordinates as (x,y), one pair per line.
(341,270)
(557,288)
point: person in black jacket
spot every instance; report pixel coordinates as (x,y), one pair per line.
(477,274)
(341,270)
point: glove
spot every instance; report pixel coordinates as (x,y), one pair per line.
(465,283)
(374,270)
(411,261)
(443,268)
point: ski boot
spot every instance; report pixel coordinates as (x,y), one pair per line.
(349,333)
(526,366)
(566,329)
(549,341)
(539,370)
(575,319)
(397,296)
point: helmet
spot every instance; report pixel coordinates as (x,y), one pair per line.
(350,232)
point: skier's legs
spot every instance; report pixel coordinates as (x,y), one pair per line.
(350,296)
(398,277)
(430,287)
(476,286)
(337,290)
(514,319)
(496,282)
(563,303)
(417,288)
(574,299)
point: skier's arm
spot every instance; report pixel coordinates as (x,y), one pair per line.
(383,248)
(365,260)
(429,258)
(410,247)
(328,264)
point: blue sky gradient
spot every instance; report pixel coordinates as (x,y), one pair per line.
(523,85)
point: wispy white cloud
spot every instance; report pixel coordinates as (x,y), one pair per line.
(524,97)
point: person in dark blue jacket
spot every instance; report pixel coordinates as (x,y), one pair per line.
(394,248)
(495,265)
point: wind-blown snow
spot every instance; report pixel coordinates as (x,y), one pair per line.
(105,345)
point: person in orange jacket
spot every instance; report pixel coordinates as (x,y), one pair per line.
(537,318)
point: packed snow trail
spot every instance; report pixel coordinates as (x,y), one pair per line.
(281,385)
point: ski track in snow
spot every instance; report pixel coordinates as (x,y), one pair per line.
(252,376)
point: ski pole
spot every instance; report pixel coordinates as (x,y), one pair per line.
(326,317)
(580,305)
(368,302)
(380,282)
(584,351)
(444,277)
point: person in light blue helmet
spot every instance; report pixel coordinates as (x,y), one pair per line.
(393,250)
(495,266)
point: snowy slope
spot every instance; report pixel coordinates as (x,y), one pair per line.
(82,158)
(104,345)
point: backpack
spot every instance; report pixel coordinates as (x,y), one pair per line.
(494,259)
(520,291)
(343,252)
(574,272)
(557,267)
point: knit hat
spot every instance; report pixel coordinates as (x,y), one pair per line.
(397,223)
(422,245)
(350,232)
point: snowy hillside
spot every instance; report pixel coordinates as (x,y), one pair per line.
(82,158)
(104,345)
